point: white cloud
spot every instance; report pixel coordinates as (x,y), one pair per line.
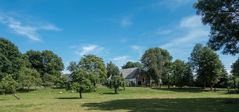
(138,49)
(25,29)
(89,49)
(121,60)
(191,22)
(194,32)
(126,21)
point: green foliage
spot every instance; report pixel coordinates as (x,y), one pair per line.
(235,68)
(81,81)
(8,84)
(181,74)
(156,61)
(48,80)
(46,63)
(29,78)
(95,68)
(11,60)
(62,81)
(115,80)
(130,64)
(94,64)
(206,64)
(112,69)
(222,16)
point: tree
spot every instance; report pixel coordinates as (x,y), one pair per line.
(155,61)
(95,67)
(9,85)
(115,80)
(46,63)
(80,81)
(130,64)
(11,60)
(112,69)
(222,16)
(207,65)
(181,74)
(235,68)
(28,78)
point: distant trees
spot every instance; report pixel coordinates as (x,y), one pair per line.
(115,79)
(206,64)
(222,16)
(155,61)
(131,64)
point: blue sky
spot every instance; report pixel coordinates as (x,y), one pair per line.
(116,30)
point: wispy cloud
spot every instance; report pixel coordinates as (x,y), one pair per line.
(24,28)
(138,49)
(121,60)
(194,32)
(88,49)
(126,21)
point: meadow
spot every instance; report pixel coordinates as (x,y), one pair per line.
(133,99)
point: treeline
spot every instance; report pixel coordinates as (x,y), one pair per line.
(25,71)
(31,69)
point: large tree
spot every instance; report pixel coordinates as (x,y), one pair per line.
(207,65)
(181,74)
(235,68)
(11,59)
(46,63)
(131,64)
(95,67)
(155,61)
(223,18)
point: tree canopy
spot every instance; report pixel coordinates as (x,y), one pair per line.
(206,64)
(131,64)
(222,16)
(155,60)
(11,59)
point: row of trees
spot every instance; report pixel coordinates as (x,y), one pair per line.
(25,70)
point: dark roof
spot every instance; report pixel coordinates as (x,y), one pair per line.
(130,73)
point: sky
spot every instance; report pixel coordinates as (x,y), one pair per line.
(116,30)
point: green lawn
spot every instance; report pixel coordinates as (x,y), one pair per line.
(131,100)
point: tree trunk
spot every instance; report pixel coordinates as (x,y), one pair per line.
(94,87)
(116,92)
(80,94)
(16,96)
(168,86)
(211,88)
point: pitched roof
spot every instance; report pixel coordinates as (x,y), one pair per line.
(130,73)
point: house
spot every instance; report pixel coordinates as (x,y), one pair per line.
(133,76)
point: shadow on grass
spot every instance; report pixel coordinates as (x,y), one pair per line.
(110,93)
(25,90)
(193,90)
(68,98)
(168,105)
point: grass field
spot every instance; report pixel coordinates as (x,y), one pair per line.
(136,99)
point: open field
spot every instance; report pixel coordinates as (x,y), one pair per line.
(131,100)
